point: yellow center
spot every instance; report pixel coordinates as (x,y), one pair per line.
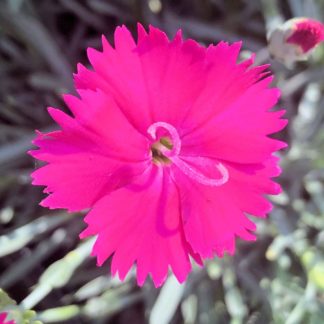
(158,147)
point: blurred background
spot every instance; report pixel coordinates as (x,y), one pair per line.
(43,264)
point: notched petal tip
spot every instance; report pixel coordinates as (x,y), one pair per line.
(246,235)
(280,145)
(141,32)
(158,36)
(100,260)
(61,118)
(53,112)
(178,37)
(44,203)
(277,92)
(79,70)
(85,233)
(158,282)
(140,281)
(35,141)
(237,45)
(123,39)
(266,82)
(183,274)
(198,260)
(277,189)
(248,62)
(235,49)
(32,153)
(93,55)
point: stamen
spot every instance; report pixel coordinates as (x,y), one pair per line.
(167,151)
(175,139)
(198,176)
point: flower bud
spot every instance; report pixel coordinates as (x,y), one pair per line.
(294,40)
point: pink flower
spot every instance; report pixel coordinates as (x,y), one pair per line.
(168,147)
(294,40)
(3,317)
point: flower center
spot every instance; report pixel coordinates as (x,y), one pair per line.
(166,150)
(167,142)
(157,149)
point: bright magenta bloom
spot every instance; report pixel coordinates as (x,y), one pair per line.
(3,317)
(168,147)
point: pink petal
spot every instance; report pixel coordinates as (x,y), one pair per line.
(170,70)
(79,180)
(98,112)
(239,134)
(89,80)
(88,158)
(146,230)
(153,76)
(3,319)
(121,71)
(211,219)
(224,82)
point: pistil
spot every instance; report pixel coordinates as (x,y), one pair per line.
(166,150)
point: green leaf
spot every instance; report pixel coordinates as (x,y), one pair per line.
(59,273)
(167,301)
(59,314)
(314,264)
(21,236)
(5,300)
(15,312)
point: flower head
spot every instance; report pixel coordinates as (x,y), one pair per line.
(294,40)
(168,146)
(3,317)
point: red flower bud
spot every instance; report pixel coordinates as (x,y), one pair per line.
(294,40)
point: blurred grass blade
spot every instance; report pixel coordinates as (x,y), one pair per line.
(34,34)
(15,5)
(15,150)
(313,262)
(12,151)
(21,236)
(59,314)
(5,300)
(233,297)
(15,312)
(84,14)
(24,265)
(58,273)
(112,301)
(189,309)
(272,14)
(167,302)
(93,288)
